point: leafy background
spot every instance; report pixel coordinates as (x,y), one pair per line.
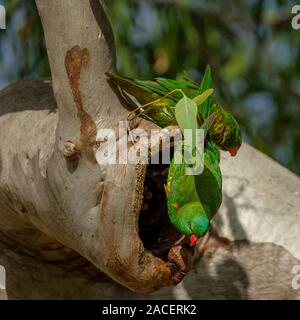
(250,44)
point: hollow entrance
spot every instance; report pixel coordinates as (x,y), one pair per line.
(155,228)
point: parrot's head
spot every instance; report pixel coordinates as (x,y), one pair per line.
(234,138)
(192,221)
(234,143)
(227,133)
(199,226)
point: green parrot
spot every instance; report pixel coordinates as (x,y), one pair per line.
(162,99)
(193,200)
(193,197)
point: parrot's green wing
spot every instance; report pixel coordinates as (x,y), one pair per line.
(154,87)
(188,88)
(209,183)
(146,91)
(143,91)
(185,193)
(225,131)
(180,188)
(160,100)
(205,187)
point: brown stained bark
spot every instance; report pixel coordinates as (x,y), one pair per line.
(76,59)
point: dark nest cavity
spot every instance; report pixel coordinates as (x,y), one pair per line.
(155,228)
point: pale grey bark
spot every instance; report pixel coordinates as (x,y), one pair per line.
(73,202)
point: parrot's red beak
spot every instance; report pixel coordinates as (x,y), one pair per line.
(193,240)
(233,151)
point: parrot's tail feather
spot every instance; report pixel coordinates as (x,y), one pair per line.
(126,84)
(133,94)
(131,101)
(125,89)
(119,81)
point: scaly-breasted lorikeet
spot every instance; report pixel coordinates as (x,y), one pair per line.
(193,200)
(225,131)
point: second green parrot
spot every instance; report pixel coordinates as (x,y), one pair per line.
(193,200)
(161,99)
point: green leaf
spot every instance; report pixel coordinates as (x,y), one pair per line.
(186,113)
(186,116)
(206,82)
(205,85)
(203,96)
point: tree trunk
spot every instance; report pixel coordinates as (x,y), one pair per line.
(69,227)
(50,180)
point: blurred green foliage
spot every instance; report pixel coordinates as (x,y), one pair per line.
(250,44)
(22,47)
